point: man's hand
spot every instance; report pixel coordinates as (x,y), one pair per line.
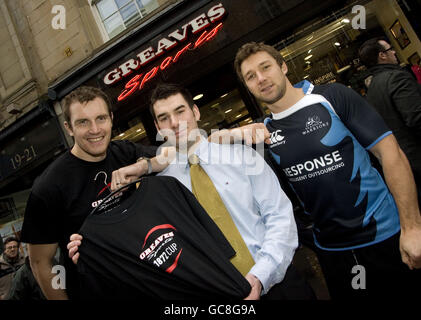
(400,180)
(165,156)
(127,174)
(410,247)
(254,133)
(73,246)
(256,287)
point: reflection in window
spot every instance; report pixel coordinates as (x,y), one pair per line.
(117,15)
(135,133)
(12,206)
(225,112)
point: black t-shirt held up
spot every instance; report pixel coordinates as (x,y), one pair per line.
(157,244)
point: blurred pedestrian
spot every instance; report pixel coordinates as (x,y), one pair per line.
(396,95)
(24,286)
(10,261)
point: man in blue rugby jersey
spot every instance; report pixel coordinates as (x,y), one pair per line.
(367,230)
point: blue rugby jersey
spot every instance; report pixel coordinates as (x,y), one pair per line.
(320,144)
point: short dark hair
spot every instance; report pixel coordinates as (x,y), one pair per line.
(10,239)
(369,51)
(82,95)
(166,90)
(251,48)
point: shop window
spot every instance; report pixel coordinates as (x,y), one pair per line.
(13,206)
(7,210)
(136,132)
(327,51)
(226,111)
(118,15)
(12,210)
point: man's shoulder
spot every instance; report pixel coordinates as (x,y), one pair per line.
(226,147)
(120,145)
(230,154)
(330,89)
(58,164)
(387,81)
(58,169)
(385,72)
(129,149)
(3,263)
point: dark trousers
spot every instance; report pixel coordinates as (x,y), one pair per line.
(292,287)
(383,275)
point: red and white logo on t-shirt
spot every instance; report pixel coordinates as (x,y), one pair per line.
(160,248)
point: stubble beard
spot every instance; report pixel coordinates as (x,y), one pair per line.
(279,96)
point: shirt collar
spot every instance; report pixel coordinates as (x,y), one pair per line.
(306,85)
(202,151)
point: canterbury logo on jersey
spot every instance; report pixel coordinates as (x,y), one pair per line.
(276,138)
(163,251)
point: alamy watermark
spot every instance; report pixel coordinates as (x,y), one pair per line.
(359,20)
(59,20)
(359,280)
(59,280)
(251,158)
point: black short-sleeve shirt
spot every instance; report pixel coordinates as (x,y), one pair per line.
(158,244)
(68,190)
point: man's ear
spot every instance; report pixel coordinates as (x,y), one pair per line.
(156,125)
(68,128)
(284,68)
(196,112)
(380,57)
(159,135)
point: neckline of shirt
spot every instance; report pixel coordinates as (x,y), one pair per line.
(297,106)
(118,214)
(201,151)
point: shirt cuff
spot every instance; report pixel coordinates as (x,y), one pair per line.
(268,273)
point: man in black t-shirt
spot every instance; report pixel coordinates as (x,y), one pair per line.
(75,183)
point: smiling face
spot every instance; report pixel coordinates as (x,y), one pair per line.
(264,77)
(90,125)
(177,120)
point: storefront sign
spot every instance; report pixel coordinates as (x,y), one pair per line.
(204,21)
(325,78)
(18,153)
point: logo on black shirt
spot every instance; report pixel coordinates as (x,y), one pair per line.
(276,138)
(314,123)
(161,250)
(103,187)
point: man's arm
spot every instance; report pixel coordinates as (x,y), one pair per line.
(399,179)
(406,95)
(127,174)
(254,133)
(41,257)
(280,237)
